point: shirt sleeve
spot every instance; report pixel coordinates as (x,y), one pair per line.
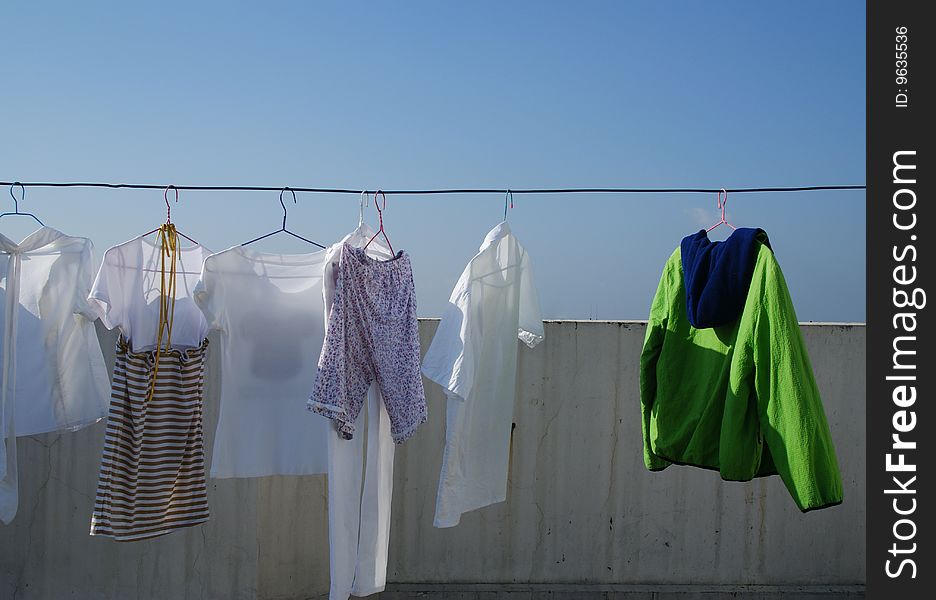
(530,329)
(792,417)
(106,299)
(330,276)
(82,306)
(209,294)
(649,355)
(450,360)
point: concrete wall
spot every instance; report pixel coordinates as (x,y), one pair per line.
(582,512)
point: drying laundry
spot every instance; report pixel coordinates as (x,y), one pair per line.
(53,373)
(473,356)
(152,477)
(127,293)
(360,494)
(269,309)
(372,335)
(717,275)
(739,398)
(360,470)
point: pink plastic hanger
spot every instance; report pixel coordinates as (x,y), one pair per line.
(380,216)
(721,206)
(169,213)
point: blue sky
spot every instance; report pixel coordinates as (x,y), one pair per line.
(430,94)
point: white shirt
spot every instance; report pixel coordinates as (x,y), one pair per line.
(474,357)
(270,311)
(53,373)
(126,293)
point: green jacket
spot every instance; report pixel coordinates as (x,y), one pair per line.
(741,398)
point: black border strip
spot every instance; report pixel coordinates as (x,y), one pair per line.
(899,271)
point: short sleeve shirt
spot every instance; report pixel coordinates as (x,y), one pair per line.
(269,309)
(126,293)
(473,356)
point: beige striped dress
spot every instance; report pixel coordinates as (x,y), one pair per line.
(152,478)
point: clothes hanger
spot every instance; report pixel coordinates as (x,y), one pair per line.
(379,250)
(380,215)
(508,202)
(283,228)
(169,214)
(16,210)
(721,205)
(360,222)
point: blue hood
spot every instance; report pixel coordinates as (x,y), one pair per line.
(718,275)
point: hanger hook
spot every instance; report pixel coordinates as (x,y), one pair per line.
(508,202)
(380,217)
(283,204)
(12,195)
(361,207)
(722,202)
(166,198)
(379,209)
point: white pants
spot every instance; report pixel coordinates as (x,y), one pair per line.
(9,493)
(360,490)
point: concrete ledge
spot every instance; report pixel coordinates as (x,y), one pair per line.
(616,592)
(581,506)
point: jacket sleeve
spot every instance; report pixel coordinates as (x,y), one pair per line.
(792,419)
(653,343)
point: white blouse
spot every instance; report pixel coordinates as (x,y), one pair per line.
(473,356)
(53,373)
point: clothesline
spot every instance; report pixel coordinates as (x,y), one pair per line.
(403,192)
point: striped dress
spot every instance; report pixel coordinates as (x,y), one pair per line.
(152,478)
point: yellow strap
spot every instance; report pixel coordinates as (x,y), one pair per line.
(169,248)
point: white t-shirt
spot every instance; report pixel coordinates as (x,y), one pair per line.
(270,311)
(126,293)
(53,374)
(474,357)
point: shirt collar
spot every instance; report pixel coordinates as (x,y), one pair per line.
(35,240)
(500,231)
(361,234)
(359,238)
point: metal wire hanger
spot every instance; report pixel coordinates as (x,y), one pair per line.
(283,228)
(380,216)
(360,222)
(508,203)
(721,206)
(16,210)
(169,214)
